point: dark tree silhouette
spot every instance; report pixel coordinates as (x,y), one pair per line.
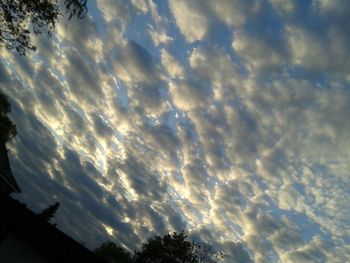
(111,253)
(7,128)
(48,213)
(175,248)
(21,18)
(171,248)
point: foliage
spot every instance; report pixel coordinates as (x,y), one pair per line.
(20,18)
(48,213)
(171,248)
(111,253)
(7,128)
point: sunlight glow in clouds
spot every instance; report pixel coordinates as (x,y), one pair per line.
(227,118)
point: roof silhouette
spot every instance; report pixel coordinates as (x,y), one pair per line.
(5,170)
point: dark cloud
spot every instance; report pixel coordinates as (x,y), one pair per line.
(141,180)
(83,82)
(237,253)
(101,128)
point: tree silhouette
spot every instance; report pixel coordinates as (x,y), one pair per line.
(20,18)
(171,248)
(111,253)
(48,213)
(7,128)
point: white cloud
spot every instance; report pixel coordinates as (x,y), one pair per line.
(114,10)
(140,5)
(171,64)
(195,18)
(191,20)
(155,14)
(159,37)
(233,13)
(189,95)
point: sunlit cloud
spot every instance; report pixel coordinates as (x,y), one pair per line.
(225,118)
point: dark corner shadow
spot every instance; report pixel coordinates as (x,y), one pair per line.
(26,237)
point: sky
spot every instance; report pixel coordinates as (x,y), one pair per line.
(227,118)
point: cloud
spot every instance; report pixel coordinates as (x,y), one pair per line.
(144,118)
(190,19)
(232,13)
(188,95)
(137,63)
(159,37)
(215,66)
(310,252)
(171,64)
(307,50)
(261,52)
(102,128)
(283,7)
(114,10)
(140,5)
(195,19)
(334,7)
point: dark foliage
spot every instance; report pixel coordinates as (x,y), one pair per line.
(20,18)
(171,248)
(111,253)
(7,128)
(48,213)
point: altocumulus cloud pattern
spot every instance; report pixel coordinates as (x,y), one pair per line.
(227,118)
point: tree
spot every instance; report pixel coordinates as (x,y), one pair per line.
(171,248)
(7,128)
(48,213)
(19,19)
(176,248)
(111,253)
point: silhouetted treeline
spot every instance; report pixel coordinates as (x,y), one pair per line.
(7,127)
(48,213)
(171,248)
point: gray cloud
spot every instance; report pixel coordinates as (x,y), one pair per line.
(240,138)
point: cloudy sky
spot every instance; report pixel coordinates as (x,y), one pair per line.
(228,118)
